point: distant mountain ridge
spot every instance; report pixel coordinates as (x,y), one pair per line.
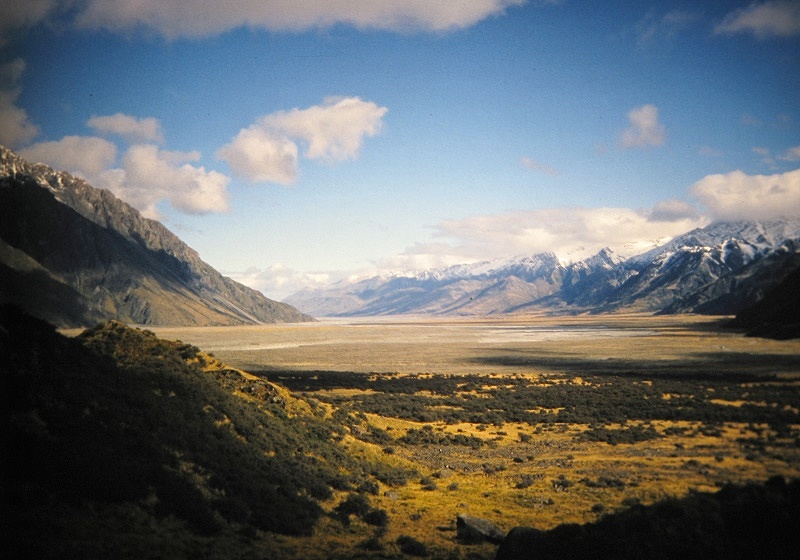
(75,255)
(720,269)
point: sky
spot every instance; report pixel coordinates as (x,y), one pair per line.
(294,143)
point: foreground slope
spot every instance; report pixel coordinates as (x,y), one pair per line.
(73,255)
(119,444)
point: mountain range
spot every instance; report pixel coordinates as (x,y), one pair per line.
(720,269)
(76,255)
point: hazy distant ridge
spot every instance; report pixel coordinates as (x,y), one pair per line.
(74,254)
(719,269)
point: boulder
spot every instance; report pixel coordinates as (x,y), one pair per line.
(470,529)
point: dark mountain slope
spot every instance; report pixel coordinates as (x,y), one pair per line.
(85,241)
(777,315)
(118,444)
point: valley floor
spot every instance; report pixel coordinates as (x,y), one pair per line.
(534,421)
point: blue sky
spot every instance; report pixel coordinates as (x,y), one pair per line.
(294,143)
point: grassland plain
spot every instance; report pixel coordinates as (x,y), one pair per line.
(532,420)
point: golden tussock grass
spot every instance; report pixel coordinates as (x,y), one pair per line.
(538,474)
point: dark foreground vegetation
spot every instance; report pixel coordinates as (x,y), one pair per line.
(754,521)
(117,444)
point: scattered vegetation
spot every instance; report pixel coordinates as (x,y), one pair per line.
(602,399)
(127,444)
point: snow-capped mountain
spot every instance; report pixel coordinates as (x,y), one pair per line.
(719,269)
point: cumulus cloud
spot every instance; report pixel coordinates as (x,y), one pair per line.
(261,156)
(535,165)
(152,175)
(133,129)
(202,18)
(739,196)
(16,126)
(145,176)
(267,151)
(644,129)
(779,18)
(86,156)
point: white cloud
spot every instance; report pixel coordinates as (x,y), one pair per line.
(535,165)
(133,129)
(279,281)
(16,126)
(152,175)
(333,130)
(780,18)
(673,210)
(267,151)
(201,18)
(422,256)
(261,156)
(644,129)
(739,196)
(571,233)
(146,176)
(86,156)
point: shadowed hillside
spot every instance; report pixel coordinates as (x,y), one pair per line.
(777,315)
(125,445)
(734,523)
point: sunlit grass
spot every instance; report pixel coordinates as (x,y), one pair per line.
(540,474)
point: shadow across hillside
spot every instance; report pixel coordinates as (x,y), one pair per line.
(119,444)
(733,366)
(754,521)
(576,392)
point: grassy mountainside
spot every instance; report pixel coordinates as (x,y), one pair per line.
(125,445)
